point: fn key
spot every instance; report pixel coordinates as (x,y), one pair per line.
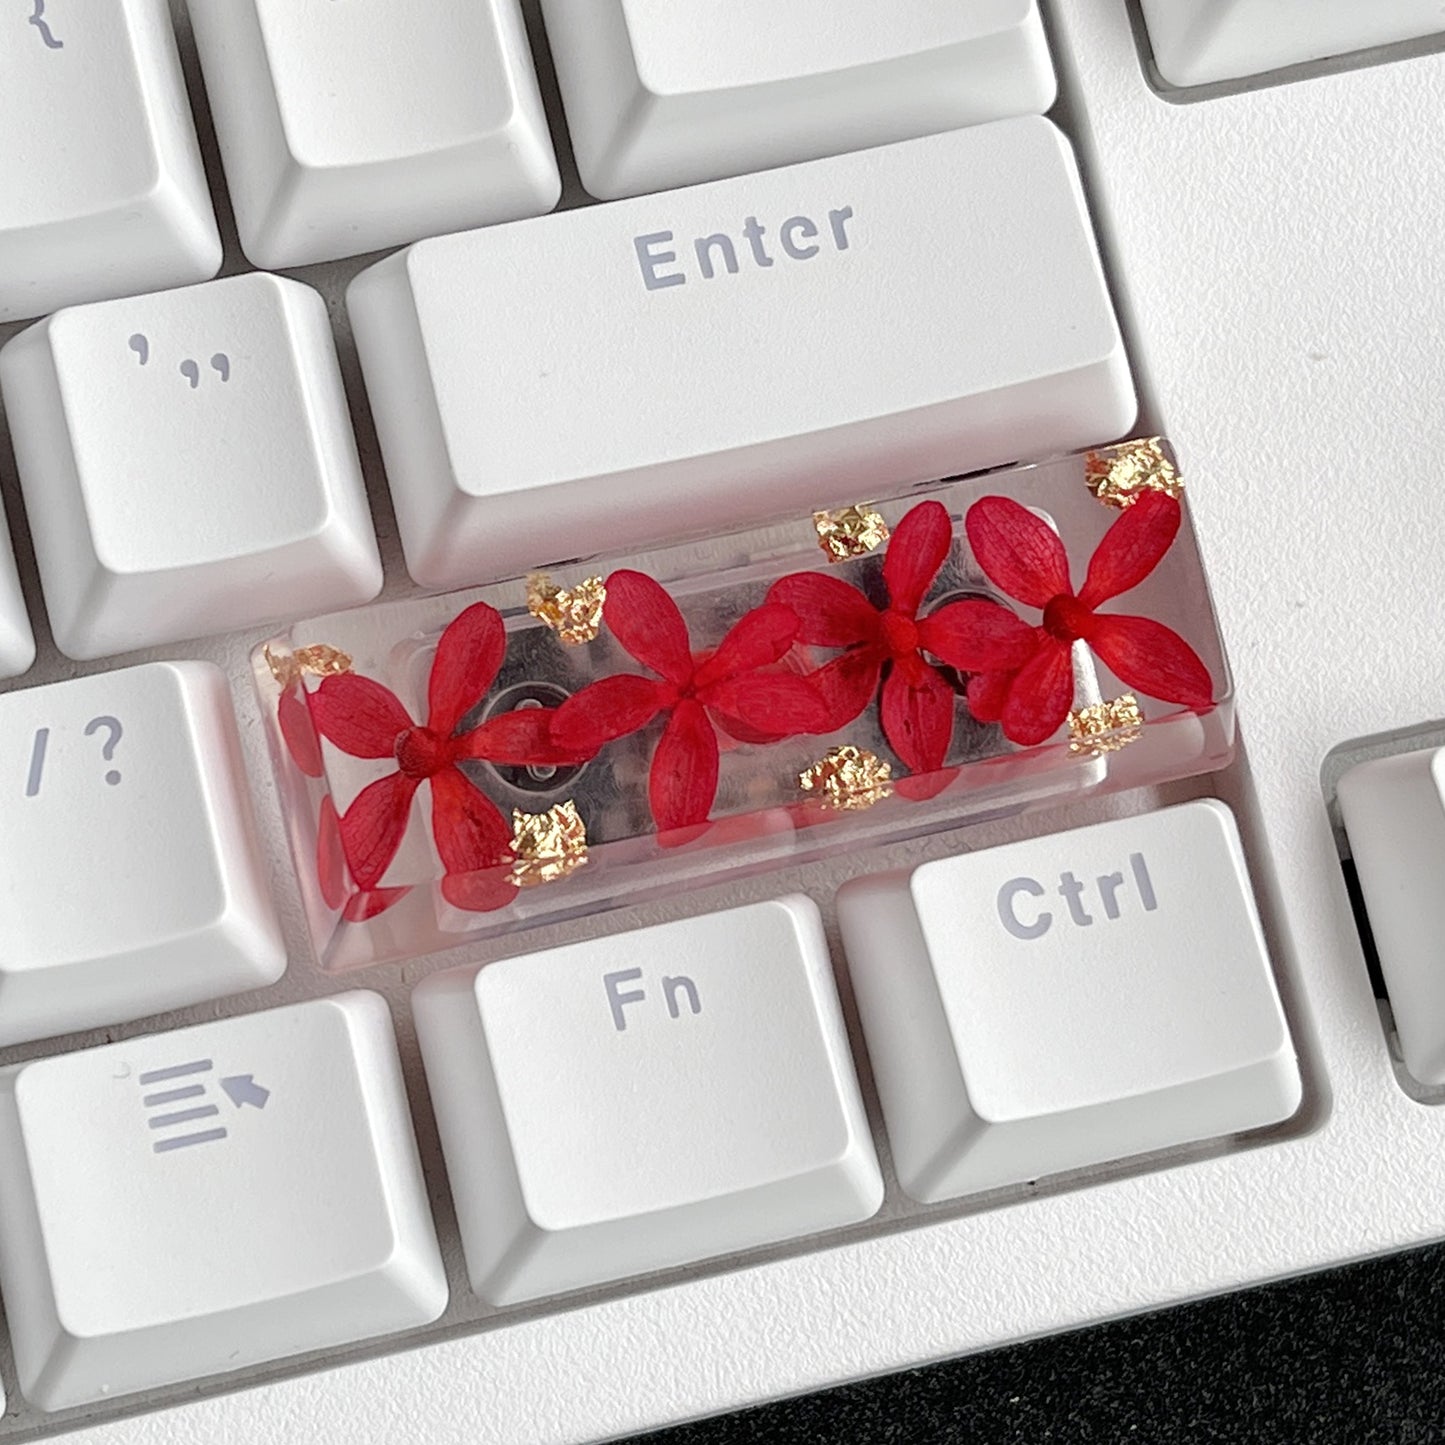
(636,1102)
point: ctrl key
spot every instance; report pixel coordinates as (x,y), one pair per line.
(195,1202)
(631,1103)
(1068,1001)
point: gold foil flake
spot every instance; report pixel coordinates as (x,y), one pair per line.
(317,660)
(1106,726)
(848,778)
(547,846)
(573,613)
(1119,476)
(850,532)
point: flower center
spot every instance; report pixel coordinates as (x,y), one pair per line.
(421,753)
(1066,618)
(900,633)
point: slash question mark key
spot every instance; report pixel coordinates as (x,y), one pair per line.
(114,732)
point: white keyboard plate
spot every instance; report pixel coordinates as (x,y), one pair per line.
(1293,417)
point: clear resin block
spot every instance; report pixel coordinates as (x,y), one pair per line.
(952,656)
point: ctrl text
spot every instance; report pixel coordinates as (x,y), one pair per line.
(678,993)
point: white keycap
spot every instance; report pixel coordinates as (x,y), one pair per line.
(201,1201)
(635,1102)
(1394,814)
(17,643)
(1068,1001)
(348,127)
(1196,42)
(576,384)
(661,94)
(101,187)
(188,464)
(132,878)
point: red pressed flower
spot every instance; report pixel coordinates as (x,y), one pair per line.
(731,687)
(917,704)
(1022,555)
(367,720)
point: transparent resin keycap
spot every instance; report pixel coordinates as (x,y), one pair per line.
(463,766)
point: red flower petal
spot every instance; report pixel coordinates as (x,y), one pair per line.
(1041,695)
(480,892)
(1132,548)
(683,780)
(468,658)
(299,732)
(769,704)
(1151,658)
(330,857)
(919,787)
(519,738)
(918,717)
(978,636)
(331,871)
(362,907)
(830,612)
(470,833)
(1018,551)
(606,709)
(847,685)
(360,716)
(757,639)
(373,826)
(987,694)
(918,549)
(645,620)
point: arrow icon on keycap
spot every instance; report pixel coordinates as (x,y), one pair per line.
(242,1089)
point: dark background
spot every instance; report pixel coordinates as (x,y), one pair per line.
(1355,1356)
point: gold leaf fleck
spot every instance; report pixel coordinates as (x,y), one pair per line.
(547,846)
(1118,476)
(850,532)
(848,778)
(573,613)
(1106,726)
(317,660)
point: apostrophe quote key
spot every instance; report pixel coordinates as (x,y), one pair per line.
(1068,1001)
(188,464)
(646,1100)
(133,881)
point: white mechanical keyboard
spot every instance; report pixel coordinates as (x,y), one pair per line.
(713,1142)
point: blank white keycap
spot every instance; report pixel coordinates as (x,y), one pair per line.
(101,187)
(132,879)
(17,644)
(1394,815)
(200,1201)
(1196,42)
(635,1102)
(663,94)
(1068,1001)
(604,377)
(348,127)
(188,464)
